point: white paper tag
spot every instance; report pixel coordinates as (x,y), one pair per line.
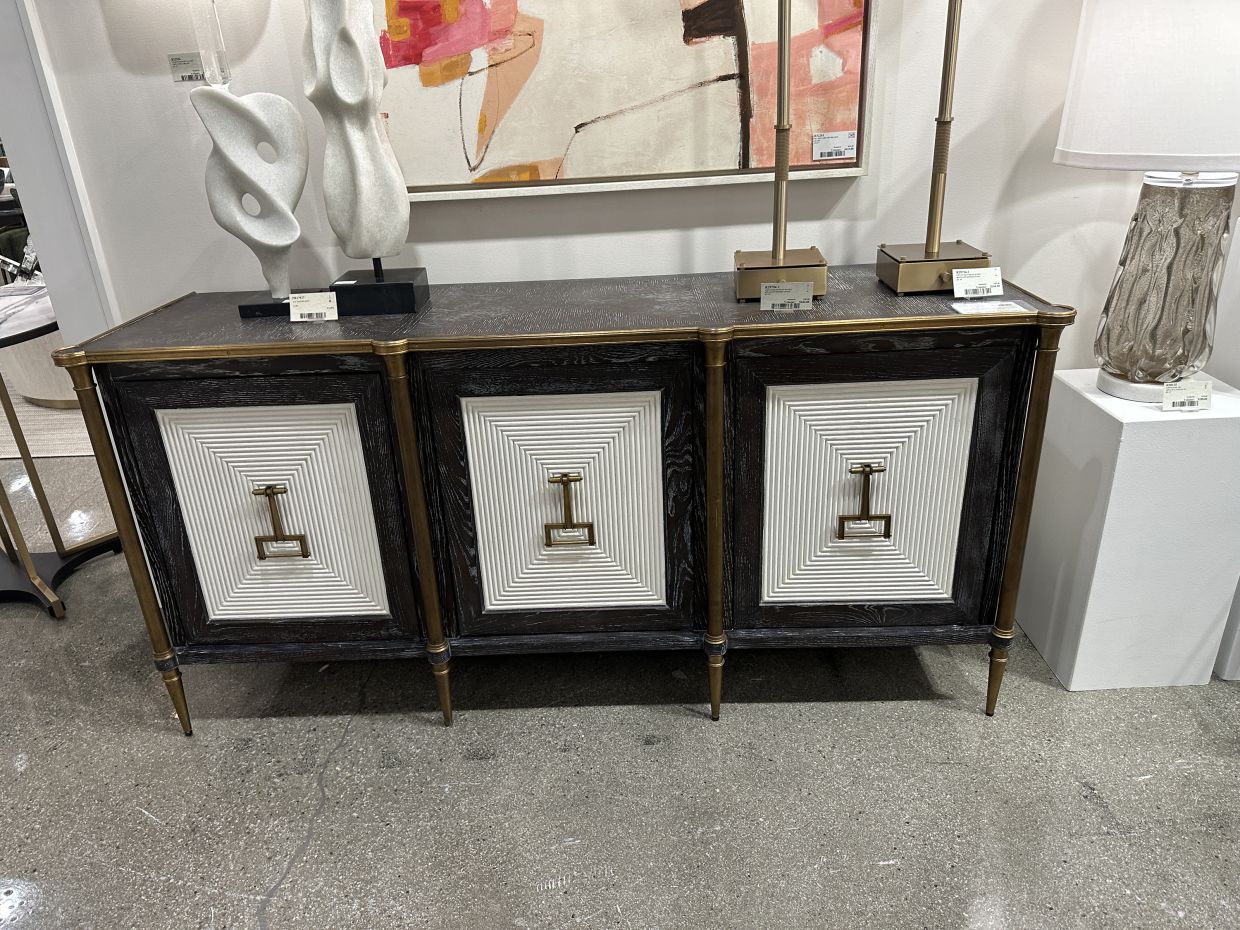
(313,307)
(992,306)
(978,282)
(831,145)
(1187,396)
(787,296)
(187,66)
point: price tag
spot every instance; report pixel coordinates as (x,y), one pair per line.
(186,67)
(787,296)
(1187,396)
(977,282)
(831,145)
(991,306)
(314,307)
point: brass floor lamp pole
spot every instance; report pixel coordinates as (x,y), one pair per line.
(781,264)
(928,266)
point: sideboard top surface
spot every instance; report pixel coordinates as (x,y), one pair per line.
(513,313)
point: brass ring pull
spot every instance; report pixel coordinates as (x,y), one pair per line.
(568,533)
(270,491)
(866,471)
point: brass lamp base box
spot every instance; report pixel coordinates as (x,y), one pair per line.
(753,269)
(906,269)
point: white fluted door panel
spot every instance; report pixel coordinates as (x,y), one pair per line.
(219,455)
(921,432)
(614,441)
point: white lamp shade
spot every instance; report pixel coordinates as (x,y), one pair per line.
(1155,86)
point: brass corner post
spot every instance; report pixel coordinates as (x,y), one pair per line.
(943,132)
(114,486)
(1035,425)
(715,642)
(437,649)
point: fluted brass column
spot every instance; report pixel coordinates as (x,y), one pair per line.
(715,641)
(1035,426)
(118,500)
(437,649)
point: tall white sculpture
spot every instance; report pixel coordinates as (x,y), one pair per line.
(239,126)
(367,201)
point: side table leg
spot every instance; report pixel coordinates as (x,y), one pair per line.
(1035,425)
(437,648)
(716,640)
(113,484)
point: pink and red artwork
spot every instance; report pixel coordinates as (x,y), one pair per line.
(546,92)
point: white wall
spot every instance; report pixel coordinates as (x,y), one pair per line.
(35,145)
(1056,230)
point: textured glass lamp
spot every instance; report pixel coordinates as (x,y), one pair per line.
(1155,87)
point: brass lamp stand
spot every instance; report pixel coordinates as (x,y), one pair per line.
(781,265)
(917,268)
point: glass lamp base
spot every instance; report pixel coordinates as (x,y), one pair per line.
(1158,322)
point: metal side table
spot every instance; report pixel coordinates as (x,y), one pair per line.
(27,575)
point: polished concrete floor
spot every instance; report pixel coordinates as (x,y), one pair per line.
(841,789)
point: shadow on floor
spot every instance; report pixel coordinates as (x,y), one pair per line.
(567,680)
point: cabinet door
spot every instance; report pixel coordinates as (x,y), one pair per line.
(567,487)
(874,477)
(269,506)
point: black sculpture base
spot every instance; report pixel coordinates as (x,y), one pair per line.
(266,308)
(401,290)
(53,569)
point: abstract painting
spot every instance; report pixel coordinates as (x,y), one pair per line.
(497,94)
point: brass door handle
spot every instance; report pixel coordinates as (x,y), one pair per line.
(271,491)
(866,471)
(582,534)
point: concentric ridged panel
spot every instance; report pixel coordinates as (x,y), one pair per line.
(218,455)
(615,442)
(922,432)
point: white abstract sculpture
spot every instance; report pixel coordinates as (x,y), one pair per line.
(236,167)
(367,201)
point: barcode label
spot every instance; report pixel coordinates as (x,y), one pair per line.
(1187,396)
(977,282)
(314,307)
(787,296)
(187,67)
(832,145)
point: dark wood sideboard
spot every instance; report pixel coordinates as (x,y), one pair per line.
(552,466)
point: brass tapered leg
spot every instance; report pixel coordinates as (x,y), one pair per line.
(998,665)
(715,642)
(176,691)
(714,669)
(118,500)
(443,687)
(1004,630)
(437,648)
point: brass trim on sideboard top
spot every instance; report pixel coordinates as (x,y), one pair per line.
(72,356)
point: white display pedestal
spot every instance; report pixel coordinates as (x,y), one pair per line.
(1134,544)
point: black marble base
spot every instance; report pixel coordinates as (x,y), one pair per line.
(15,584)
(402,290)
